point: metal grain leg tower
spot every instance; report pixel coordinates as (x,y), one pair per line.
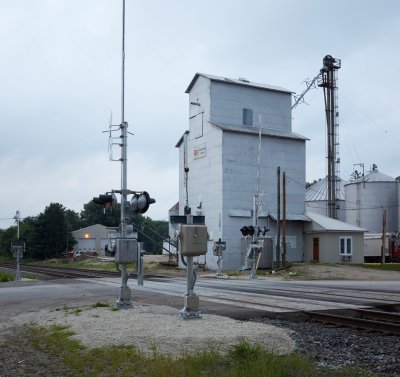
(328,81)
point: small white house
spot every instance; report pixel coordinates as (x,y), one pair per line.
(92,238)
(333,241)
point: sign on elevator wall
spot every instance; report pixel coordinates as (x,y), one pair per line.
(199,152)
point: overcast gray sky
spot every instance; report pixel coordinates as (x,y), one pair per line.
(60,81)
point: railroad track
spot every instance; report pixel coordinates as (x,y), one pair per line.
(374,320)
(71,272)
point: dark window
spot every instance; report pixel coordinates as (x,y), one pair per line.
(345,245)
(247,117)
(349,251)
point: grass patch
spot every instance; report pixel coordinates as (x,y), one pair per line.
(65,261)
(75,311)
(68,262)
(30,276)
(382,267)
(4,259)
(115,309)
(241,360)
(100,304)
(233,273)
(4,277)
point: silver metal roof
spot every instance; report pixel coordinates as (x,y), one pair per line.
(254,130)
(180,141)
(319,191)
(324,223)
(289,217)
(373,176)
(240,81)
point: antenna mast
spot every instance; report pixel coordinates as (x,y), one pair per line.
(124,134)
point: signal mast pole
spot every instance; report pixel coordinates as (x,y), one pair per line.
(126,247)
(125,297)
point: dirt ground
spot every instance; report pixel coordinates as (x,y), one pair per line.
(295,272)
(341,272)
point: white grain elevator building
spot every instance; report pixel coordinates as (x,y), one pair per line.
(222,149)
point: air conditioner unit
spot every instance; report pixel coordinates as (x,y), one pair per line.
(345,258)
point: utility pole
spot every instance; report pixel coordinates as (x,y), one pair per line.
(383,237)
(284,219)
(278,217)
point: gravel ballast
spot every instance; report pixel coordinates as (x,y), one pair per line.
(150,327)
(338,347)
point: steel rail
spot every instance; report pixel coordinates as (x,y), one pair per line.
(380,325)
(73,272)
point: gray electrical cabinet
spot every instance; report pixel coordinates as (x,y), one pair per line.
(126,250)
(193,240)
(267,255)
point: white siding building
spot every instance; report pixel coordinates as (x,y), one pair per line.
(92,239)
(222,149)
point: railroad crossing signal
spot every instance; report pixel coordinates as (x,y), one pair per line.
(106,200)
(248,230)
(140,203)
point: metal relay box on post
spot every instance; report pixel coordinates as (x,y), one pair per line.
(126,250)
(193,240)
(267,255)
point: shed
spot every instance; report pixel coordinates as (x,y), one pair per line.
(333,241)
(92,238)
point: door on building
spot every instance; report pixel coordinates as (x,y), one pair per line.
(87,244)
(103,244)
(315,249)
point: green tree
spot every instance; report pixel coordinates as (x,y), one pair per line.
(73,220)
(49,234)
(6,237)
(93,213)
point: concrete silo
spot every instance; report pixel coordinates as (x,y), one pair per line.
(367,198)
(317,198)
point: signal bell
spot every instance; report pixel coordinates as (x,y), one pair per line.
(140,203)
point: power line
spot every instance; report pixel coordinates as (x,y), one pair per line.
(372,121)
